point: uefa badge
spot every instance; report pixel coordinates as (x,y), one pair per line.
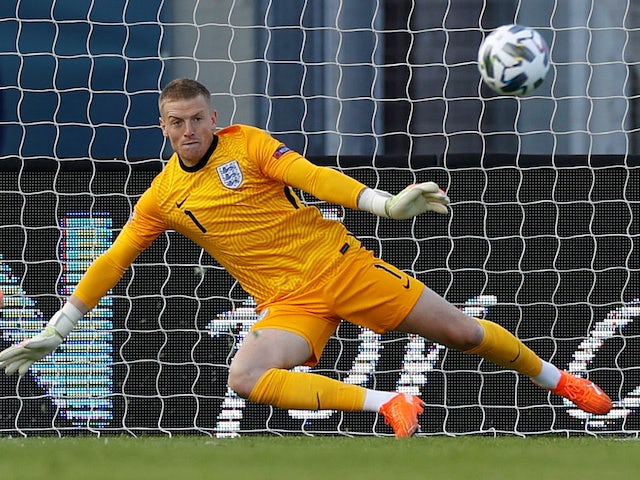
(230,174)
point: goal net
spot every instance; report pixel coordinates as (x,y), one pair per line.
(543,235)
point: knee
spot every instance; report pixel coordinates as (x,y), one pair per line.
(242,380)
(468,335)
(474,335)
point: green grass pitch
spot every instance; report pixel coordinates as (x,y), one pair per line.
(322,457)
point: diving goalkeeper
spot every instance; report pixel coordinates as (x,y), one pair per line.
(232,192)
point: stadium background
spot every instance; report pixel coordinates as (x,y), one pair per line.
(542,238)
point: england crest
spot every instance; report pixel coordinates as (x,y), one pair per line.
(230,174)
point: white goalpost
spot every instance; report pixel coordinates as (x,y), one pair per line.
(543,235)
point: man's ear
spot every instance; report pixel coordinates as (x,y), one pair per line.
(162,126)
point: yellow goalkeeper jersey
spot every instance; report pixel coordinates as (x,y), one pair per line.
(238,204)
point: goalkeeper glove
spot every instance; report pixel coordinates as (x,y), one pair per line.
(410,202)
(21,356)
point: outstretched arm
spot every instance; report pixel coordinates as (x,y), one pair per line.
(336,187)
(410,202)
(18,358)
(278,161)
(102,275)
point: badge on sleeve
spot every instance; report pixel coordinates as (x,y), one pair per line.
(282,149)
(230,174)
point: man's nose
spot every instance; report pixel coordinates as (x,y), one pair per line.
(188,129)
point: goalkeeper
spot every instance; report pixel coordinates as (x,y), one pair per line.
(232,192)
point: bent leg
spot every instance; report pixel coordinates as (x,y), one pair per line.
(306,391)
(262,350)
(260,372)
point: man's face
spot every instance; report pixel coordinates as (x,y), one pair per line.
(189,125)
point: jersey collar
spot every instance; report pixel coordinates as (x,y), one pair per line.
(203,161)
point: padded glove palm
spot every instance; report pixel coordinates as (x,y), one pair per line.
(415,200)
(21,356)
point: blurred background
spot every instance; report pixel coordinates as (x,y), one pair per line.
(80,78)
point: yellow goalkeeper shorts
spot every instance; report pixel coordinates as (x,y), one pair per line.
(361,289)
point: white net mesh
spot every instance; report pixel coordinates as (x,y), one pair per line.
(543,235)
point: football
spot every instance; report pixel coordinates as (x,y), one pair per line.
(513,60)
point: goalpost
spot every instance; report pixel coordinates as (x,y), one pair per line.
(543,236)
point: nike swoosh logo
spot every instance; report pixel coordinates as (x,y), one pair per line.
(406,285)
(517,356)
(596,388)
(179,204)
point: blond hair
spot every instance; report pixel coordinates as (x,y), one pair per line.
(183,89)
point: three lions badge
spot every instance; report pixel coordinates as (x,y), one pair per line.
(230,174)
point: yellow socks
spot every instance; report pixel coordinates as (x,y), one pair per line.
(306,391)
(502,348)
(309,391)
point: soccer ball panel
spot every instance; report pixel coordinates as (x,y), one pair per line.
(513,60)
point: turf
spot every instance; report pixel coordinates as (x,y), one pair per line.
(326,458)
